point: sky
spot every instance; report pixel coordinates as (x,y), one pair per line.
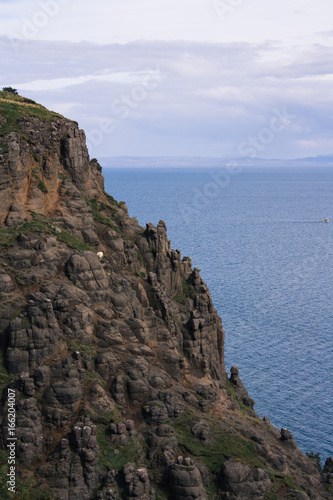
(211,78)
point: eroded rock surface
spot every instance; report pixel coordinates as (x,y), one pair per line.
(117,360)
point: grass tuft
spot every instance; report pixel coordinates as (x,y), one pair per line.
(98,217)
(40,224)
(223,445)
(14,107)
(108,459)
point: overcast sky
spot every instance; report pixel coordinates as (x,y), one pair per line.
(178,77)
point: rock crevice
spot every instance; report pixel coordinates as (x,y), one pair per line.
(113,347)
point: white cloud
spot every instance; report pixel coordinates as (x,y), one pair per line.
(53,84)
(61,83)
(219,80)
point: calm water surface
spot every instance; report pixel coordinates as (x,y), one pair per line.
(256,235)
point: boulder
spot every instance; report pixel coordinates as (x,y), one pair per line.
(242,482)
(185,481)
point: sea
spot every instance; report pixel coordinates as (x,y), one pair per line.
(257,237)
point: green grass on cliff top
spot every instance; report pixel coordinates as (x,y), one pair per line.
(13,107)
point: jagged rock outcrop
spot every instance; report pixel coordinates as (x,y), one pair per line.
(116,360)
(327,475)
(72,469)
(185,481)
(240,481)
(240,390)
(137,483)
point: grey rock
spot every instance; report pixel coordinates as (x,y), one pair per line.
(162,446)
(16,214)
(239,387)
(32,342)
(240,481)
(327,474)
(186,481)
(85,270)
(287,438)
(106,337)
(137,483)
(6,283)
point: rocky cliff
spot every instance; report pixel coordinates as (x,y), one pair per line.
(112,345)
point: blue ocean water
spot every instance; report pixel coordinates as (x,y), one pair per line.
(256,235)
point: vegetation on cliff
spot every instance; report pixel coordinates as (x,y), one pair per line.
(116,359)
(14,108)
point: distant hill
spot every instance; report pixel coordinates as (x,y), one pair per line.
(210,162)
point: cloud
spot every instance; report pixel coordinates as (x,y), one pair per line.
(166,20)
(206,98)
(62,83)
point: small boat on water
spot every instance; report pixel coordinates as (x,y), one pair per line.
(325,220)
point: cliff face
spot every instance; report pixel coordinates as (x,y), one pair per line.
(116,359)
